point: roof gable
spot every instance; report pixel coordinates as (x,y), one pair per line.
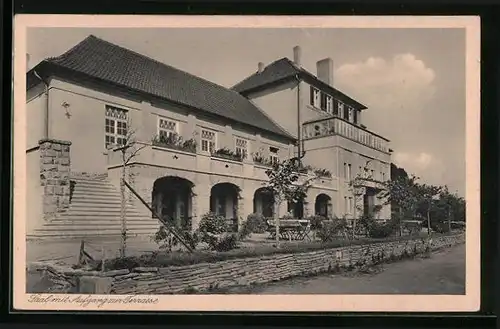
(111,63)
(281,71)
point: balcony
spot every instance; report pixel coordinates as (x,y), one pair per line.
(337,126)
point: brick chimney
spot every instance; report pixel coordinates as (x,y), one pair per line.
(324,69)
(260,67)
(297,54)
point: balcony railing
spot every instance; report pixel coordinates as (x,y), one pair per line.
(338,126)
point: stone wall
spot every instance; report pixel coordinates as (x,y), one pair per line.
(256,270)
(55,166)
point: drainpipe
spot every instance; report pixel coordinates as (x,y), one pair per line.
(299,125)
(46,110)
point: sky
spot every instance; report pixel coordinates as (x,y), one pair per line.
(411,80)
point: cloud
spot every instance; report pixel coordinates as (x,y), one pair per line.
(419,161)
(398,93)
(398,83)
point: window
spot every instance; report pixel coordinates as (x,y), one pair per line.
(351,114)
(315,97)
(336,105)
(323,101)
(372,174)
(383,176)
(167,128)
(346,112)
(345,170)
(115,126)
(273,155)
(208,140)
(346,205)
(355,116)
(242,147)
(329,104)
(351,206)
(340,108)
(349,171)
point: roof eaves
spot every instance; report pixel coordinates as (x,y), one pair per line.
(308,75)
(52,68)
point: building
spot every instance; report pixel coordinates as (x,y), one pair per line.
(203,147)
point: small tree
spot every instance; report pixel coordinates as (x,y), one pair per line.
(357,190)
(129,150)
(402,192)
(426,194)
(285,185)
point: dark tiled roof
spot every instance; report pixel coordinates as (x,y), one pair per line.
(108,62)
(283,70)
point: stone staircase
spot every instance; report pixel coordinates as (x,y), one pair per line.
(94,211)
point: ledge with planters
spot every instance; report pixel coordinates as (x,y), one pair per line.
(200,272)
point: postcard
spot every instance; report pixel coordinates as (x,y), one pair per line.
(202,163)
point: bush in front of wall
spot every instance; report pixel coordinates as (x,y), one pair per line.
(213,230)
(331,230)
(316,221)
(255,223)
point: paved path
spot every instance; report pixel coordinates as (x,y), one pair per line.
(442,273)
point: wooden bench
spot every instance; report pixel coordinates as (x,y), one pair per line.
(290,229)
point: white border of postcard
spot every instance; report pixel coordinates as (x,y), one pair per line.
(307,303)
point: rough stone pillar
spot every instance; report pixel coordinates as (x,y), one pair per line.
(55,167)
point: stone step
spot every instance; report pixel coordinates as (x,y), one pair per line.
(101,192)
(98,223)
(84,197)
(105,215)
(89,233)
(90,181)
(105,207)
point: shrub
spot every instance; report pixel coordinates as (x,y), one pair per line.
(226,243)
(323,173)
(213,231)
(261,159)
(440,227)
(316,221)
(255,223)
(228,154)
(175,141)
(379,230)
(168,241)
(330,230)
